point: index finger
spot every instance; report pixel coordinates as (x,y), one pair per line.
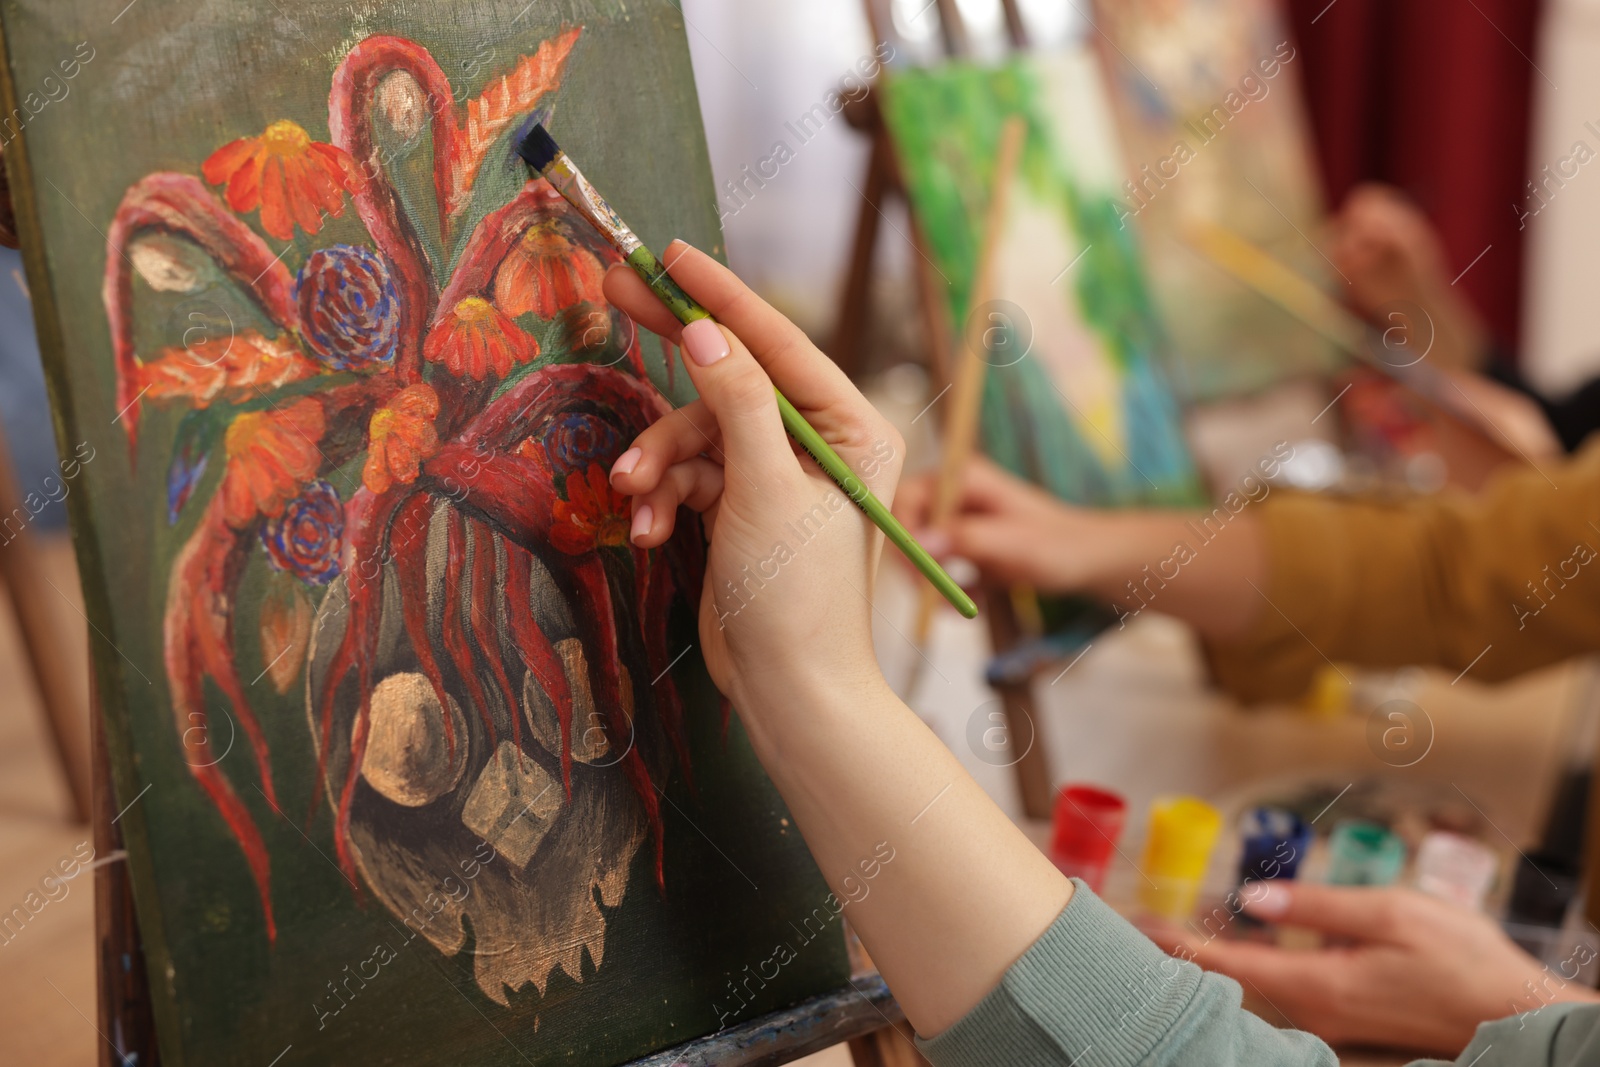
(630,295)
(810,380)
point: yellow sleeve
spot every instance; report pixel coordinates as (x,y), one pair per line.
(1511,575)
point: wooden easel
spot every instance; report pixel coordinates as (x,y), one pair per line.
(882,183)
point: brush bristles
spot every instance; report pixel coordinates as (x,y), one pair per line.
(538,148)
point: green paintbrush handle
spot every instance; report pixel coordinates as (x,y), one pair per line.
(839,471)
(683,306)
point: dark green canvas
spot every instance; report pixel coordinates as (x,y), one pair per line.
(419,760)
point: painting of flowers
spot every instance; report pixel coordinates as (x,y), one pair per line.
(434,771)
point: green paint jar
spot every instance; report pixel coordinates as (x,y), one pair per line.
(1364,853)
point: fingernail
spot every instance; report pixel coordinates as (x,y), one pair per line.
(626,462)
(643,516)
(1267,900)
(705,342)
(937,542)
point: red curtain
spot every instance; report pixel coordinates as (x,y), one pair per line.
(1433,96)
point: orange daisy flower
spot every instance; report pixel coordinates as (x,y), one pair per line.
(270,455)
(399,437)
(290,177)
(593,514)
(476,338)
(547,273)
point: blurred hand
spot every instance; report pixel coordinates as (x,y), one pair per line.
(1013,532)
(1017,534)
(1411,971)
(1390,255)
(791,561)
(1510,418)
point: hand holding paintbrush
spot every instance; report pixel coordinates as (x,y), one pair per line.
(539,150)
(791,562)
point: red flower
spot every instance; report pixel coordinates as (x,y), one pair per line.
(475,338)
(547,273)
(399,437)
(290,177)
(270,455)
(593,514)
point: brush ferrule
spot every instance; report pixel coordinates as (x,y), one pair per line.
(570,183)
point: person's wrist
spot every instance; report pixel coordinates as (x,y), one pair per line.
(772,697)
(1099,552)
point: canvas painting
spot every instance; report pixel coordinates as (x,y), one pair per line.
(1207,99)
(417,758)
(1075,397)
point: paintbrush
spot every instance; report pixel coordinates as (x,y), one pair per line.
(1284,286)
(966,389)
(540,151)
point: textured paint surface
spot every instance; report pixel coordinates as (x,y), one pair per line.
(427,780)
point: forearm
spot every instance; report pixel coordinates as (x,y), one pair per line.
(1190,565)
(1498,582)
(965,893)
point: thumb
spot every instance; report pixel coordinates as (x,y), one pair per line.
(738,392)
(1358,912)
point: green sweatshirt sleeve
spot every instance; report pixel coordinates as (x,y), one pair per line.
(1557,1035)
(1094,991)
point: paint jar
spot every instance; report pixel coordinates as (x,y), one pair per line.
(1456,868)
(1274,842)
(1088,822)
(1177,850)
(1364,853)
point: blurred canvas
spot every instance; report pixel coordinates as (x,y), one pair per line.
(1075,397)
(1207,100)
(419,761)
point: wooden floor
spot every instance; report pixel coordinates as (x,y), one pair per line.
(47,1006)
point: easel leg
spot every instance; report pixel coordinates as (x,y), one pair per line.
(121,978)
(1034,780)
(855,303)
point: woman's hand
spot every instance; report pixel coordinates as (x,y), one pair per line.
(1396,266)
(792,560)
(1420,974)
(1013,532)
(1017,534)
(1507,416)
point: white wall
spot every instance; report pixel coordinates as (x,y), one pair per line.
(758,66)
(1561,296)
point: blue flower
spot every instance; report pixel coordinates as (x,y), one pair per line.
(305,539)
(575,440)
(349,309)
